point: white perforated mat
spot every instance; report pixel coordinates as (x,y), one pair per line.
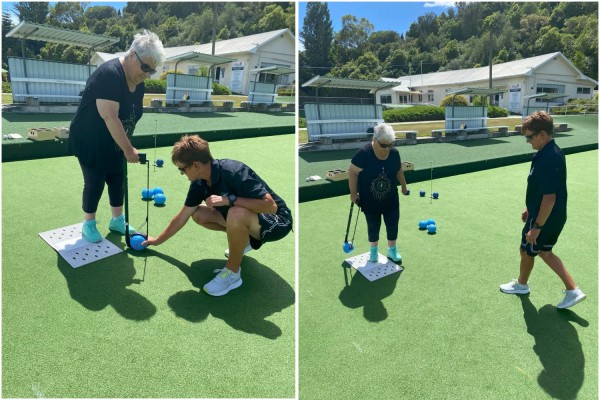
(77,251)
(373,270)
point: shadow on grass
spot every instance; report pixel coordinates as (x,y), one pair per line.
(105,283)
(262,294)
(37,117)
(320,156)
(369,295)
(558,348)
(478,142)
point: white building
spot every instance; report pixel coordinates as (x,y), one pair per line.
(548,73)
(275,48)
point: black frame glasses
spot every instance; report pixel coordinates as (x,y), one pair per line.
(145,67)
(385,146)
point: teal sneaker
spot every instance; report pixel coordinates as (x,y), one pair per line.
(89,231)
(394,255)
(374,254)
(118,225)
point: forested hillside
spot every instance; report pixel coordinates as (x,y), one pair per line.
(176,23)
(459,38)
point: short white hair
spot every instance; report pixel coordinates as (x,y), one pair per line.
(384,133)
(147,44)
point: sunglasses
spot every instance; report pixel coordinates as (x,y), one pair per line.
(145,67)
(383,145)
(183,169)
(529,138)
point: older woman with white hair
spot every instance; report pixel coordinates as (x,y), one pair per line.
(100,132)
(374,174)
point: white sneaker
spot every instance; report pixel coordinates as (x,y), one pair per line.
(514,287)
(246,250)
(572,297)
(225,281)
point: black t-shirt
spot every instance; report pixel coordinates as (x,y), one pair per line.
(90,139)
(231,177)
(548,175)
(378,180)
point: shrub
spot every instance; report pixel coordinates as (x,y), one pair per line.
(155,86)
(5,77)
(414,113)
(285,91)
(497,112)
(454,100)
(163,76)
(301,122)
(6,87)
(221,90)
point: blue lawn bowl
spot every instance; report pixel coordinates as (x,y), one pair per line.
(136,242)
(147,194)
(436,195)
(422,193)
(159,162)
(157,190)
(407,192)
(348,247)
(430,221)
(422,225)
(431,229)
(160,199)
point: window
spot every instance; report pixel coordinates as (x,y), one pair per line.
(386,99)
(430,96)
(549,88)
(584,90)
(402,98)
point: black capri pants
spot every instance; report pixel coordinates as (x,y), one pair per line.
(93,188)
(391,219)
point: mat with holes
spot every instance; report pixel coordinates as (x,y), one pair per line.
(77,251)
(373,270)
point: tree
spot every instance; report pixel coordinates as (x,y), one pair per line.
(317,38)
(31,11)
(351,40)
(66,15)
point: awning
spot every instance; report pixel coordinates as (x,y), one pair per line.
(547,96)
(45,33)
(200,58)
(343,83)
(275,70)
(478,91)
(405,90)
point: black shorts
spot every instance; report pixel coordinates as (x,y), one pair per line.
(545,241)
(273,227)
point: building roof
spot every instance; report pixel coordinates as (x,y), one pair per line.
(245,44)
(523,67)
(45,33)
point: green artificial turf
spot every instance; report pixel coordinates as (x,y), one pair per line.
(441,329)
(157,122)
(137,324)
(584,130)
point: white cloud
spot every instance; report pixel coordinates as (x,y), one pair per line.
(440,3)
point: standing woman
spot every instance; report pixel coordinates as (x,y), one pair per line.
(100,132)
(374,174)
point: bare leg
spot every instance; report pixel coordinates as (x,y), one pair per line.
(241,223)
(559,268)
(116,211)
(391,243)
(89,216)
(209,219)
(526,267)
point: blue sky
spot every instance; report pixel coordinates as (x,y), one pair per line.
(394,16)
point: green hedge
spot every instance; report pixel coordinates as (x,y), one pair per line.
(220,90)
(155,86)
(415,113)
(497,112)
(6,87)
